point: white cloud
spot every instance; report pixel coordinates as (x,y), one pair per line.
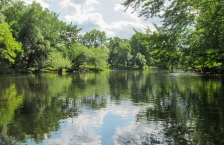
(118,7)
(106,16)
(43,4)
(128,13)
(95,18)
(111,29)
(90,2)
(86,16)
(68,7)
(73,8)
(119,1)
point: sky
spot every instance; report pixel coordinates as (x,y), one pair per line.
(104,15)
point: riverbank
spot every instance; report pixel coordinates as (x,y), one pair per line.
(23,70)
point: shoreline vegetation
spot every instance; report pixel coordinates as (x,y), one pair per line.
(34,40)
(88,70)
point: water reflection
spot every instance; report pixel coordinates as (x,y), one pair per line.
(135,107)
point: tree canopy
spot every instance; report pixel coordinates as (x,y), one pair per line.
(195,25)
(190,37)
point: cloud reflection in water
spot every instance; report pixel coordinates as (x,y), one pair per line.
(115,124)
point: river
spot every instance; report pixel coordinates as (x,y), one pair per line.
(112,108)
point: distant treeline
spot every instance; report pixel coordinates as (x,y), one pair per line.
(190,38)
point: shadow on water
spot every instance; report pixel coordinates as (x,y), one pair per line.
(153,107)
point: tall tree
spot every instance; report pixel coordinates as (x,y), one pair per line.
(94,38)
(210,32)
(113,46)
(140,45)
(35,34)
(120,52)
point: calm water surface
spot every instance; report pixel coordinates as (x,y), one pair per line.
(118,107)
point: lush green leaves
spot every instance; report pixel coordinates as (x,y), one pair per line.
(9,47)
(2,18)
(94,38)
(190,29)
(99,58)
(57,60)
(190,37)
(120,52)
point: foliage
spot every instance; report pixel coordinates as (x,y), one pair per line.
(9,47)
(99,58)
(190,37)
(2,18)
(78,55)
(56,60)
(32,34)
(120,52)
(140,60)
(94,38)
(69,33)
(202,46)
(140,44)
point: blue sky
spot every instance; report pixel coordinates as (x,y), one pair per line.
(104,15)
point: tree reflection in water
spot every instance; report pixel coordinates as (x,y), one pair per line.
(172,108)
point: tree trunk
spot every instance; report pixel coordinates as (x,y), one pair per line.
(60,71)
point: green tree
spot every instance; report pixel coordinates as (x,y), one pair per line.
(13,15)
(9,47)
(141,43)
(203,17)
(165,48)
(158,48)
(14,12)
(69,33)
(120,52)
(140,60)
(78,55)
(39,30)
(58,61)
(113,46)
(99,58)
(124,54)
(209,30)
(34,34)
(34,45)
(94,38)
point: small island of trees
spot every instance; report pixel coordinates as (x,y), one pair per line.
(33,39)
